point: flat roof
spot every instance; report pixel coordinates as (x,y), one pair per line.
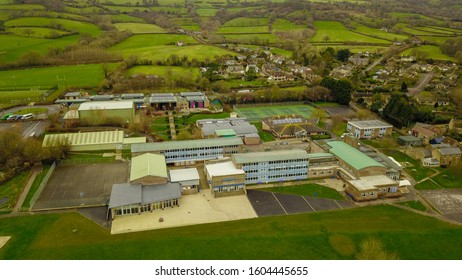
(223,169)
(148,165)
(106,105)
(84,138)
(239,128)
(320,155)
(186,144)
(270,156)
(409,138)
(352,156)
(371,182)
(134,140)
(225,132)
(186,174)
(369,124)
(125,194)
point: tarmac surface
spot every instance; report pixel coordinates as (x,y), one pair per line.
(447,201)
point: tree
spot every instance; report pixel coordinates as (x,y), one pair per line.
(341,89)
(404,87)
(326,38)
(251,74)
(377,102)
(343,55)
(363,114)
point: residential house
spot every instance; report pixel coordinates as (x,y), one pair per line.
(447,156)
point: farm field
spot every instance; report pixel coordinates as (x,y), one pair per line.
(46,78)
(406,234)
(18,45)
(6,97)
(258,113)
(335,32)
(253,39)
(162,70)
(139,28)
(37,32)
(378,33)
(71,25)
(142,41)
(433,52)
(353,48)
(242,29)
(119,18)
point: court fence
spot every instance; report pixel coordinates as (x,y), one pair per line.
(42,185)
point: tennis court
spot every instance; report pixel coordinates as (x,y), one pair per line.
(259,112)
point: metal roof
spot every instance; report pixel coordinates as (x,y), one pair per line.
(72,94)
(102,97)
(132,95)
(225,132)
(106,105)
(186,174)
(270,156)
(186,144)
(369,124)
(351,155)
(240,128)
(223,169)
(148,165)
(450,151)
(184,94)
(158,193)
(162,98)
(84,138)
(125,194)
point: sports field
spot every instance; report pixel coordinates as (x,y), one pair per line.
(257,113)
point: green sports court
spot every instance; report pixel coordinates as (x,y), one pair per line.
(259,112)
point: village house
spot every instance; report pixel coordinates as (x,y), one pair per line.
(447,156)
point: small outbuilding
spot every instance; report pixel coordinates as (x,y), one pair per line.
(409,140)
(188,178)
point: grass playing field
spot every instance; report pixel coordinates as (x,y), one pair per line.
(303,236)
(259,112)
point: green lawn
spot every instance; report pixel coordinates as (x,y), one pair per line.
(192,118)
(309,189)
(264,135)
(336,32)
(48,77)
(33,110)
(339,129)
(427,185)
(417,205)
(449,178)
(72,25)
(35,185)
(12,190)
(162,70)
(139,28)
(6,97)
(17,46)
(416,170)
(303,236)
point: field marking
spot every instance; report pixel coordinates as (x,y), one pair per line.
(280,203)
(3,240)
(308,203)
(337,204)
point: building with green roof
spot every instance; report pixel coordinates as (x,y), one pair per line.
(355,162)
(148,169)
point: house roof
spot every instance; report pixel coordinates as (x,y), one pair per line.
(449,151)
(367,124)
(186,144)
(84,138)
(352,156)
(106,105)
(270,156)
(148,165)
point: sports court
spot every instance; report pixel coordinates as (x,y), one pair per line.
(81,185)
(259,112)
(271,204)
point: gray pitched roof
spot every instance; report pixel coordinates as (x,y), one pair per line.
(450,151)
(125,194)
(153,194)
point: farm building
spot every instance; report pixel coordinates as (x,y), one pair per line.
(192,100)
(71,118)
(447,156)
(369,128)
(163,101)
(91,141)
(274,166)
(129,199)
(148,169)
(291,126)
(188,178)
(353,163)
(190,151)
(107,112)
(409,140)
(372,187)
(226,127)
(224,178)
(322,165)
(102,97)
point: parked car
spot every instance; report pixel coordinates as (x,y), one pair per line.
(5,117)
(18,117)
(28,116)
(11,117)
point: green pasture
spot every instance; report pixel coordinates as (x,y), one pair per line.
(141,42)
(206,12)
(6,2)
(417,205)
(85,10)
(336,32)
(162,70)
(427,185)
(7,97)
(435,39)
(71,25)
(36,32)
(353,48)
(22,7)
(247,22)
(309,189)
(431,51)
(17,46)
(285,25)
(48,77)
(378,33)
(440,31)
(406,16)
(139,28)
(252,39)
(260,112)
(118,18)
(164,9)
(449,178)
(242,29)
(304,236)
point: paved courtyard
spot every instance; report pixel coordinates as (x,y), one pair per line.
(195,209)
(448,202)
